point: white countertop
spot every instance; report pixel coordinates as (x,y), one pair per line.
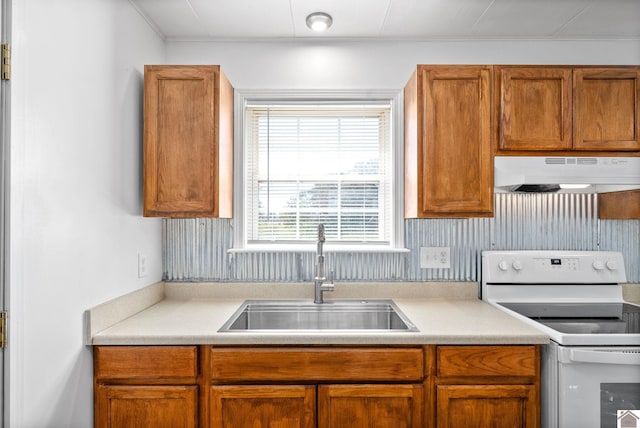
(177,318)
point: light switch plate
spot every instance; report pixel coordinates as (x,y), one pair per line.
(435,257)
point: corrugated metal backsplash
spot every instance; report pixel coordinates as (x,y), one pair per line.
(197,249)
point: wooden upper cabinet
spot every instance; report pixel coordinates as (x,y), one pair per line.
(607,108)
(448,165)
(535,108)
(188,142)
(568,109)
(619,205)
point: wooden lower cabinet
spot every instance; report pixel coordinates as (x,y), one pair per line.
(486,406)
(296,406)
(485,386)
(324,386)
(263,406)
(380,406)
(125,406)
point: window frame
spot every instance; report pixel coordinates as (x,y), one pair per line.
(245,97)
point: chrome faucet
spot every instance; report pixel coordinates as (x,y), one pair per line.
(320,279)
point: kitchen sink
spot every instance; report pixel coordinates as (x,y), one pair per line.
(296,315)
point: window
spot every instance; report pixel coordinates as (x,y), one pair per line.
(309,162)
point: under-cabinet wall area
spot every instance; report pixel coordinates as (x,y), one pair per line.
(197,249)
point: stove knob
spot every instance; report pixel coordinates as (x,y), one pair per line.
(503,265)
(598,265)
(612,265)
(517,265)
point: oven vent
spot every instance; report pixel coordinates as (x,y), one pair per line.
(571,161)
(587,161)
(621,351)
(555,161)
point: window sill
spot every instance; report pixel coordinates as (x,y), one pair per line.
(328,248)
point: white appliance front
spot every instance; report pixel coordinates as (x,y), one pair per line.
(590,387)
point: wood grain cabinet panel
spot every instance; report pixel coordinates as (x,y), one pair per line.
(486,361)
(146,386)
(536,108)
(325,386)
(486,406)
(619,205)
(316,364)
(448,164)
(485,386)
(119,406)
(147,363)
(188,142)
(567,110)
(607,109)
(263,406)
(364,406)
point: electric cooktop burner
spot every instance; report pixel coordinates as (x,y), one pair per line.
(582,318)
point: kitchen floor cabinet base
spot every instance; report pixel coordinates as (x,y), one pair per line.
(303,386)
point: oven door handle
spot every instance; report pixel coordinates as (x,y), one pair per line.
(620,357)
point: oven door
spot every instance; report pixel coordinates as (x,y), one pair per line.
(597,385)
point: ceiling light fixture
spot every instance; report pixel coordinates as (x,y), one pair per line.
(319,21)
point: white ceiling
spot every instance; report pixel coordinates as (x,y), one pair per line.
(394,19)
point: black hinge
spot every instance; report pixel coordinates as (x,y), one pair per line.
(3,329)
(6,62)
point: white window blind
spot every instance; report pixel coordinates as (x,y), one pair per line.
(309,164)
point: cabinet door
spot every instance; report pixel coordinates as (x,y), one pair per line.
(186,168)
(619,205)
(263,406)
(146,406)
(535,108)
(456,168)
(363,406)
(607,108)
(486,406)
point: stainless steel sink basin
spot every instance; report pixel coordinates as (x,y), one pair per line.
(295,315)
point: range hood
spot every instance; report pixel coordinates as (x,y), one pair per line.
(566,174)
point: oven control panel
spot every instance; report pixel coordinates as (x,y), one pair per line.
(553,267)
(558,263)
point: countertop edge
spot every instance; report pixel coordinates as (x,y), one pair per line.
(328,340)
(110,313)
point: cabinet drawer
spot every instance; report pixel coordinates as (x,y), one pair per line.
(486,361)
(316,364)
(145,362)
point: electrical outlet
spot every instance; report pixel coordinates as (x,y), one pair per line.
(435,257)
(142,265)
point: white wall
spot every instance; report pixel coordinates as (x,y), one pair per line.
(322,64)
(76,217)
